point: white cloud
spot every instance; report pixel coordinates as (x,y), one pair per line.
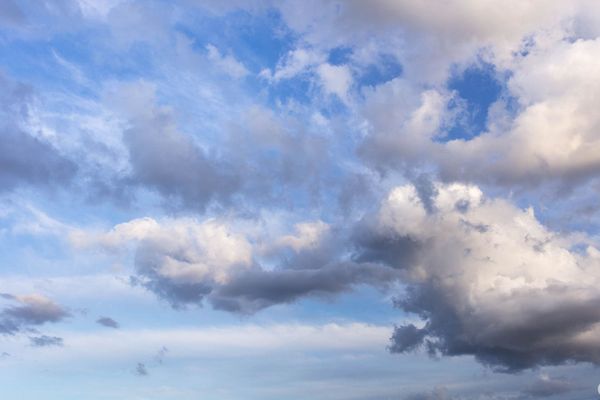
(492,281)
(308,235)
(336,79)
(226,63)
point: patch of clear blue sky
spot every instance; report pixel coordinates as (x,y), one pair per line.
(478,87)
(385,69)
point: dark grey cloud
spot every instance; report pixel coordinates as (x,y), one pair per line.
(256,289)
(259,289)
(25,159)
(407,338)
(108,322)
(46,341)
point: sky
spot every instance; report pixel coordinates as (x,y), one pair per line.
(286,199)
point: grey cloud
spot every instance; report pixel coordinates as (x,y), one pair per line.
(46,341)
(108,322)
(407,338)
(141,370)
(186,262)
(36,313)
(24,158)
(546,386)
(260,289)
(164,159)
(436,394)
(251,291)
(31,311)
(426,190)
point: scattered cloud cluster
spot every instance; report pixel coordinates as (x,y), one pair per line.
(308,148)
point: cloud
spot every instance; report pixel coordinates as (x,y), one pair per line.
(164,159)
(26,158)
(436,394)
(542,129)
(336,79)
(161,354)
(141,370)
(308,235)
(425,41)
(108,322)
(296,62)
(487,279)
(547,386)
(258,289)
(227,63)
(32,310)
(186,261)
(45,341)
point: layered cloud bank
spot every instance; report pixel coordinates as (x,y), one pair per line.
(486,277)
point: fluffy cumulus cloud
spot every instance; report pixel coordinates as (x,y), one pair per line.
(185,261)
(487,279)
(552,136)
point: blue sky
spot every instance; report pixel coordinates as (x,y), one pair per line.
(299,199)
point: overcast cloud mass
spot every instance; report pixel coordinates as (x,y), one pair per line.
(328,199)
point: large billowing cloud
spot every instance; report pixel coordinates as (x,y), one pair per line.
(487,279)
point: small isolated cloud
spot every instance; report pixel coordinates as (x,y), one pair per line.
(46,341)
(141,370)
(31,310)
(108,322)
(160,355)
